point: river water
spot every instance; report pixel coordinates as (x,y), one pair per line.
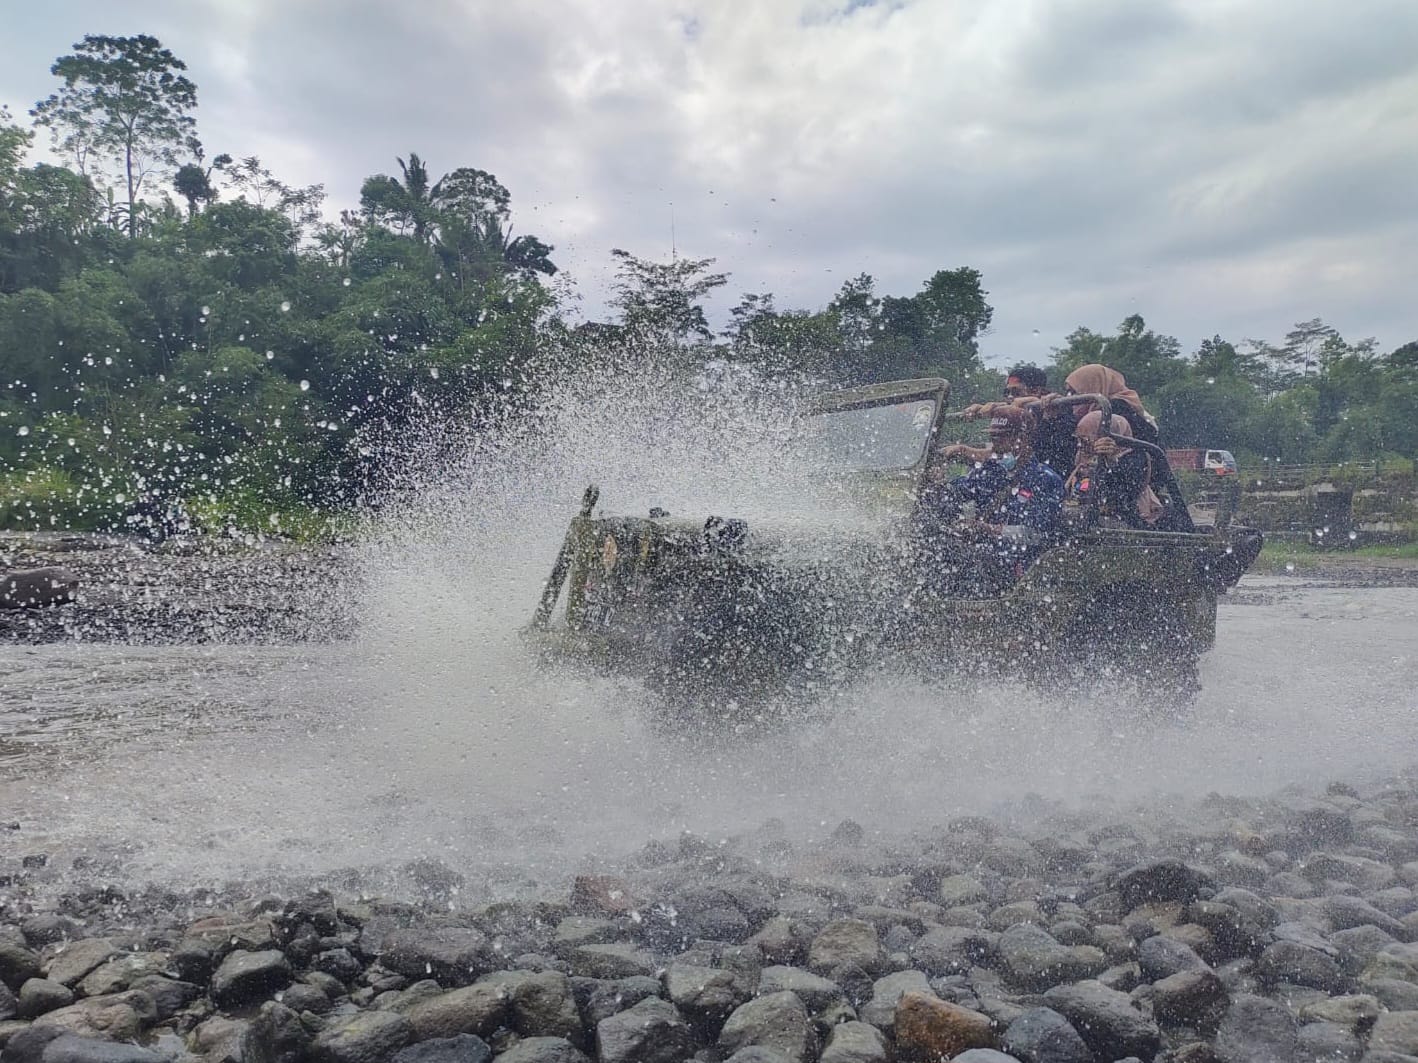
(434,735)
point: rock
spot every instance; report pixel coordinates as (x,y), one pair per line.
(778,1021)
(1042,1035)
(984,1055)
(577,930)
(1356,1012)
(1286,961)
(121,972)
(928,1028)
(1398,961)
(543,1050)
(47,928)
(613,961)
(705,995)
(601,895)
(222,1040)
(120,1017)
(33,587)
(847,941)
(817,993)
(1195,998)
(168,994)
(26,1045)
(39,995)
(957,890)
(1358,946)
(1255,1030)
(1394,994)
(364,1037)
(1106,1020)
(1346,912)
(1324,1042)
(476,1009)
(540,1004)
(69,963)
(9,1004)
(757,1054)
(886,994)
(71,1048)
(855,1042)
(952,950)
(780,941)
(338,963)
(1159,957)
(18,964)
(223,932)
(244,977)
(301,997)
(463,1048)
(601,1000)
(1160,880)
(1395,1031)
(277,1035)
(453,956)
(1034,960)
(650,1032)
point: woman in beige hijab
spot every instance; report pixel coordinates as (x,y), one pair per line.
(1097,379)
(1117,475)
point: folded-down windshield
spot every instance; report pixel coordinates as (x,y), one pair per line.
(872,437)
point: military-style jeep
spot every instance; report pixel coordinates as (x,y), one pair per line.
(727,617)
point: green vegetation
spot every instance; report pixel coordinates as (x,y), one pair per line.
(1294,554)
(174,329)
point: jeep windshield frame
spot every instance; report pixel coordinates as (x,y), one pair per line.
(922,400)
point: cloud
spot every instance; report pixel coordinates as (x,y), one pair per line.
(1218,165)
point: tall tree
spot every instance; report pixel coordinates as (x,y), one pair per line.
(123,99)
(660,301)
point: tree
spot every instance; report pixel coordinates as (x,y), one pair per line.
(123,98)
(1149,361)
(660,301)
(251,179)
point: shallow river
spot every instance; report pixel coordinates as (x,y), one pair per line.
(439,738)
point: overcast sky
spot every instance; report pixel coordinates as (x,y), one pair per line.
(1219,166)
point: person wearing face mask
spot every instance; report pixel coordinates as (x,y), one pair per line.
(1018,501)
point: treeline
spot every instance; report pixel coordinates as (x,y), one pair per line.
(174,326)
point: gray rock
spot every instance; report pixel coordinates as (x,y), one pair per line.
(1286,961)
(301,997)
(847,941)
(577,930)
(956,890)
(1398,961)
(1345,912)
(463,1048)
(758,1054)
(364,1037)
(244,977)
(1255,1030)
(277,1035)
(1106,1020)
(1358,946)
(1042,1035)
(39,995)
(1356,1012)
(952,949)
(169,995)
(704,995)
(18,963)
(780,941)
(815,992)
(984,1055)
(777,1021)
(650,1032)
(70,962)
(887,992)
(1159,957)
(1324,1042)
(1190,998)
(540,1004)
(222,1040)
(454,956)
(9,1003)
(1395,1031)
(1160,880)
(121,972)
(1034,960)
(601,999)
(477,1009)
(339,963)
(27,1045)
(120,1017)
(613,961)
(543,1050)
(1308,936)
(71,1048)
(1394,994)
(855,1042)
(47,928)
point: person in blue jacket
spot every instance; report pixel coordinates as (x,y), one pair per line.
(1018,502)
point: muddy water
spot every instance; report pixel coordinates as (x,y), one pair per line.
(204,764)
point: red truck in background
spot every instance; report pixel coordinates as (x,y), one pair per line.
(1196,459)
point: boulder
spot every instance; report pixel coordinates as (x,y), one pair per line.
(1034,960)
(704,995)
(952,949)
(1255,1030)
(476,1009)
(847,941)
(543,1050)
(1195,998)
(778,1021)
(613,961)
(1159,957)
(602,895)
(1325,1042)
(928,1028)
(18,963)
(121,972)
(120,1017)
(462,1048)
(40,995)
(540,1004)
(650,1032)
(1287,961)
(1106,1020)
(33,587)
(453,956)
(1356,1012)
(855,1042)
(68,963)
(1160,880)
(601,999)
(1042,1035)
(957,890)
(886,994)
(1395,1031)
(815,992)
(71,1048)
(244,977)
(363,1037)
